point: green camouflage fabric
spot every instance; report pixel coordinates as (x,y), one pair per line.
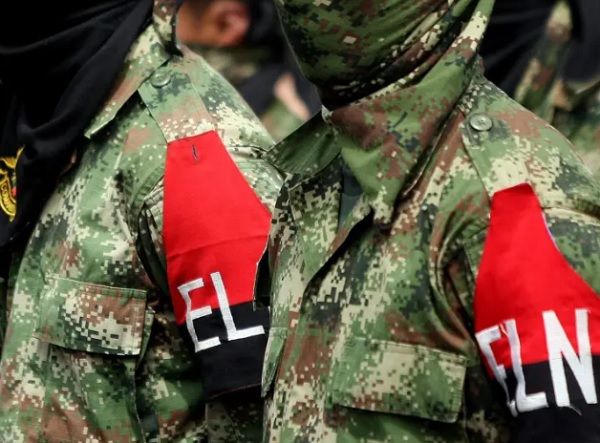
(91,351)
(573,108)
(238,65)
(372,324)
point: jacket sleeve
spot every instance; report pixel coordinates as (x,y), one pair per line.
(536,316)
(226,341)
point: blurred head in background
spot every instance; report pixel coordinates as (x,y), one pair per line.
(243,40)
(213,23)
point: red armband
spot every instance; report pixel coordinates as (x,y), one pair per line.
(537,324)
(215,231)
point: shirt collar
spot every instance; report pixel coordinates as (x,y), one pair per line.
(152,49)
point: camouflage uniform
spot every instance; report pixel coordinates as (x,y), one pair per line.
(91,350)
(572,107)
(238,65)
(373,316)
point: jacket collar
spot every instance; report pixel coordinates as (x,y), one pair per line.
(386,151)
(153,48)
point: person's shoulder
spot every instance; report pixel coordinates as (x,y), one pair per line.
(229,113)
(495,144)
(510,145)
(188,98)
(185,101)
(193,104)
(240,130)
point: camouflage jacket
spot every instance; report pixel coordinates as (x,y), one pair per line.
(91,351)
(573,108)
(239,64)
(373,328)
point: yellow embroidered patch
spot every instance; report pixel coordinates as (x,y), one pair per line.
(8,183)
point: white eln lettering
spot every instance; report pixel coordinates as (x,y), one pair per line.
(525,402)
(485,338)
(232,332)
(191,314)
(559,347)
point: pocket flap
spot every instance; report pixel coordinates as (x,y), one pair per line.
(92,318)
(395,378)
(273,354)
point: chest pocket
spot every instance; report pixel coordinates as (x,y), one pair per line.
(96,335)
(395,378)
(92,318)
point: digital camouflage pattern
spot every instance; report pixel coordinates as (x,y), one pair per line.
(91,350)
(238,65)
(372,324)
(572,107)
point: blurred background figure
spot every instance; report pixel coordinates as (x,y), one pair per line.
(242,39)
(546,55)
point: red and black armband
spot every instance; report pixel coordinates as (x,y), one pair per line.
(537,324)
(215,231)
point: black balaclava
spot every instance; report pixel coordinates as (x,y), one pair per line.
(58,62)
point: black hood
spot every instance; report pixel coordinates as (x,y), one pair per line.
(57,71)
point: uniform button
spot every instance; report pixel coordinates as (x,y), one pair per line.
(481,122)
(160,79)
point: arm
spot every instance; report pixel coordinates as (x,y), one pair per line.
(537,316)
(206,255)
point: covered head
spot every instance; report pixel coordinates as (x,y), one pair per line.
(229,23)
(350,48)
(58,63)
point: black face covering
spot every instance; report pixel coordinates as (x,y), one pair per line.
(57,65)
